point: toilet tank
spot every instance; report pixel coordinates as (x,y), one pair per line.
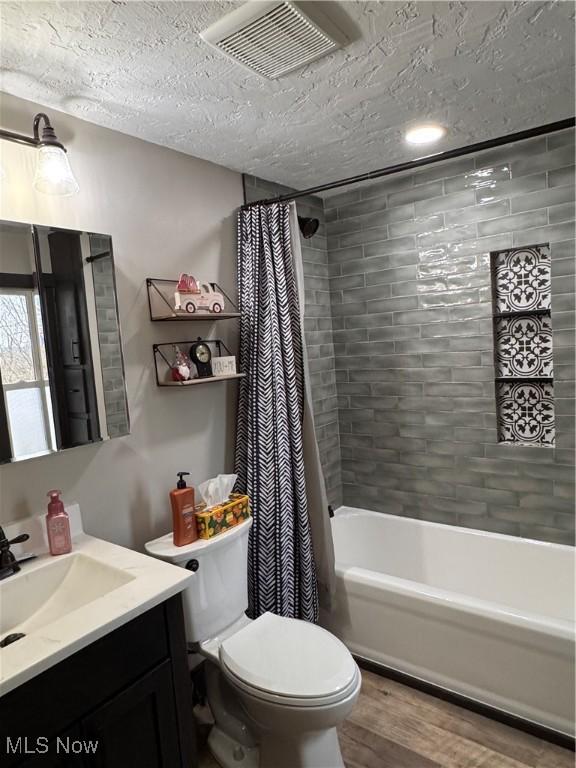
(218,594)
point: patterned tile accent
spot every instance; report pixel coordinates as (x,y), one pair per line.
(524,347)
(523,279)
(526,413)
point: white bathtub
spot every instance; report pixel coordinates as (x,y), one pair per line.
(481,614)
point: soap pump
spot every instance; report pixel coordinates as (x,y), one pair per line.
(183,517)
(58,525)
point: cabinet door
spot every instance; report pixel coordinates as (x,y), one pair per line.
(66,751)
(138,727)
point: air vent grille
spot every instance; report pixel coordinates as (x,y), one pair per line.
(279,39)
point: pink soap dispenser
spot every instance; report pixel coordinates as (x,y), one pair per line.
(58,525)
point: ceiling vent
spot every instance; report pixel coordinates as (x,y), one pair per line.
(273,38)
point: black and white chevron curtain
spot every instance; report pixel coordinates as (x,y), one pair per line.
(269,444)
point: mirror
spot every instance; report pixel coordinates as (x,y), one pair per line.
(61,367)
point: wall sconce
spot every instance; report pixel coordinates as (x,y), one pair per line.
(53,172)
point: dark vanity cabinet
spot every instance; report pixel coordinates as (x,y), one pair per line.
(123,702)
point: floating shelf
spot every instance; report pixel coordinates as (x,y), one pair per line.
(163,363)
(162,311)
(205,317)
(205,380)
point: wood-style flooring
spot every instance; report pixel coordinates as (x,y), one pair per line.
(394,726)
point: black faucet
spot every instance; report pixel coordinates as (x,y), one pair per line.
(8,563)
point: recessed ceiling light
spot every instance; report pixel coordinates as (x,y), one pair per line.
(425,134)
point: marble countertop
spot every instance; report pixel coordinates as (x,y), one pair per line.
(147,582)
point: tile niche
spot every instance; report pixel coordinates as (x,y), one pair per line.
(523,345)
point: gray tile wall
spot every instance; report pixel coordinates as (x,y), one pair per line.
(110,348)
(408,260)
(318,330)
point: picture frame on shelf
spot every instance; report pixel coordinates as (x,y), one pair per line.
(225,365)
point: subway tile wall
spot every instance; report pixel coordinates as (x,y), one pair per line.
(318,331)
(398,324)
(410,287)
(117,421)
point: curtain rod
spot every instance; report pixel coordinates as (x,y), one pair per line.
(422,161)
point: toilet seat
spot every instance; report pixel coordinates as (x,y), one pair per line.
(289,662)
(293,701)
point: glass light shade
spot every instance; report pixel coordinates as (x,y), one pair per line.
(53,173)
(425,134)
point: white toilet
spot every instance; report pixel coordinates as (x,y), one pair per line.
(277,687)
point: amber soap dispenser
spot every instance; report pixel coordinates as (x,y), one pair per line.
(183,518)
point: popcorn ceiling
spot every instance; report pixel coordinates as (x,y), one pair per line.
(483,69)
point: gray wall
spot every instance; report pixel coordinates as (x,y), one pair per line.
(411,305)
(167,213)
(318,328)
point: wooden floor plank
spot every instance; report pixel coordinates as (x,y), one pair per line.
(470,725)
(405,727)
(556,757)
(366,749)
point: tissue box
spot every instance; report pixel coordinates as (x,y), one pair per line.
(210,522)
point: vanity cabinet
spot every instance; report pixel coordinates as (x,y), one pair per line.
(128,694)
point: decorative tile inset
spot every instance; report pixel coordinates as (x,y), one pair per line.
(523,279)
(526,413)
(524,347)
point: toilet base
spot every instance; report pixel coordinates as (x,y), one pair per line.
(315,749)
(230,753)
(312,749)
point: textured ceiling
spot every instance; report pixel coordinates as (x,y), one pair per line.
(483,69)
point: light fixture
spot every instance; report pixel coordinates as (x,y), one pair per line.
(427,133)
(53,172)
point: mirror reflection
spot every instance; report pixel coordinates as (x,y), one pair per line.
(61,364)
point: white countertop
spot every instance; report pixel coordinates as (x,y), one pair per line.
(149,582)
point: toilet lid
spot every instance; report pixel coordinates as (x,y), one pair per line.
(289,657)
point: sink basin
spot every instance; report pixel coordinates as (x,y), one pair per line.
(37,596)
(55,606)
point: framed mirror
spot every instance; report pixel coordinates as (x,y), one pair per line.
(61,365)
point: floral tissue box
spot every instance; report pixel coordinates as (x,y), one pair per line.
(219,519)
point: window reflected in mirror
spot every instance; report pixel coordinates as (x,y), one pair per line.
(25,373)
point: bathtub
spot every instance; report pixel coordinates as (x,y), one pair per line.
(486,616)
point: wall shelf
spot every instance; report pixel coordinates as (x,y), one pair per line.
(163,362)
(161,307)
(205,380)
(204,317)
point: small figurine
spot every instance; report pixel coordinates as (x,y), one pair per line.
(181,367)
(192,295)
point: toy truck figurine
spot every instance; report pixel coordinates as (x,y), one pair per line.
(192,295)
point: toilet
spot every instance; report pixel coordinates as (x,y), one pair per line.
(277,687)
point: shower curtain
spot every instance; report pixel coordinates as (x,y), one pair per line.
(270,446)
(315,485)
